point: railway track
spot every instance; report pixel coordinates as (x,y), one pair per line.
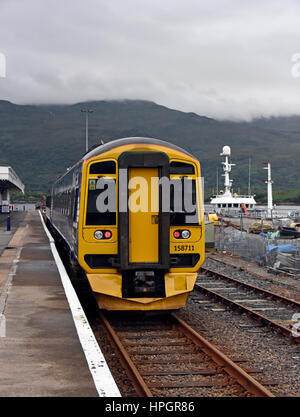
(253,270)
(268,307)
(164,356)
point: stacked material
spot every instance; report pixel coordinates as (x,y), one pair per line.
(261,226)
(296,226)
(276,253)
(281,248)
(289,262)
(289,232)
(212,217)
(250,247)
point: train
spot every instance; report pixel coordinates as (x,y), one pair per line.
(130,213)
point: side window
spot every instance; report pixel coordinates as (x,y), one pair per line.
(75,204)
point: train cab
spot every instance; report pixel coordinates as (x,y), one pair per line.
(131,212)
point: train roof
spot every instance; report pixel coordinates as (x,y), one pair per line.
(127,141)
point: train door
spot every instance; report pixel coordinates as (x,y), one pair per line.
(143,227)
(143,215)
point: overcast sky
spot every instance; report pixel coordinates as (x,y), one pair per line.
(220,58)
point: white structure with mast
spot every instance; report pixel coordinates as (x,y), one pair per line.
(269,182)
(226,201)
(227,168)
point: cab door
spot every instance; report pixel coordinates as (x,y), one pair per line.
(143,215)
(143,228)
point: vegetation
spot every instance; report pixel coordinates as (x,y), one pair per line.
(28,197)
(280,196)
(41,142)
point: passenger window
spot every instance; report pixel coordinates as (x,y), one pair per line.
(75,204)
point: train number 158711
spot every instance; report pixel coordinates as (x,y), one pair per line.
(184,248)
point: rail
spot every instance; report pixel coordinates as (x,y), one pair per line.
(188,342)
(253,312)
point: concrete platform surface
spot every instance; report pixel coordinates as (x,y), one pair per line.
(16,220)
(40,353)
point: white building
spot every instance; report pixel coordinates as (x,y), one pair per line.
(8,181)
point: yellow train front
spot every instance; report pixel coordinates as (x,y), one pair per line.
(131,214)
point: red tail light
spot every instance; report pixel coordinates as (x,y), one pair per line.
(107,234)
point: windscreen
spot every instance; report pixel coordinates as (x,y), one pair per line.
(101,200)
(183,202)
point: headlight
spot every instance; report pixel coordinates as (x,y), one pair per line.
(185,234)
(98,234)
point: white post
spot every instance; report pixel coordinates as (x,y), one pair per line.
(249,178)
(269,182)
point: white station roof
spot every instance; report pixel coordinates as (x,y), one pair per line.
(9,179)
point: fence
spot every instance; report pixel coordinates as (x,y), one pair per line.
(249,247)
(276,253)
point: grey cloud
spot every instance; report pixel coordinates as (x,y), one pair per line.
(221,58)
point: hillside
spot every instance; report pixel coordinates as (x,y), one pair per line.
(40,141)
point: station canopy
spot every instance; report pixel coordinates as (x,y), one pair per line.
(9,179)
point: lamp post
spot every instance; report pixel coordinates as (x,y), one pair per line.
(87,111)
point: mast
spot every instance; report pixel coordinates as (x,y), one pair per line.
(249,177)
(226,199)
(269,182)
(226,152)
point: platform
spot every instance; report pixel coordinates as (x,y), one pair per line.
(40,352)
(16,220)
